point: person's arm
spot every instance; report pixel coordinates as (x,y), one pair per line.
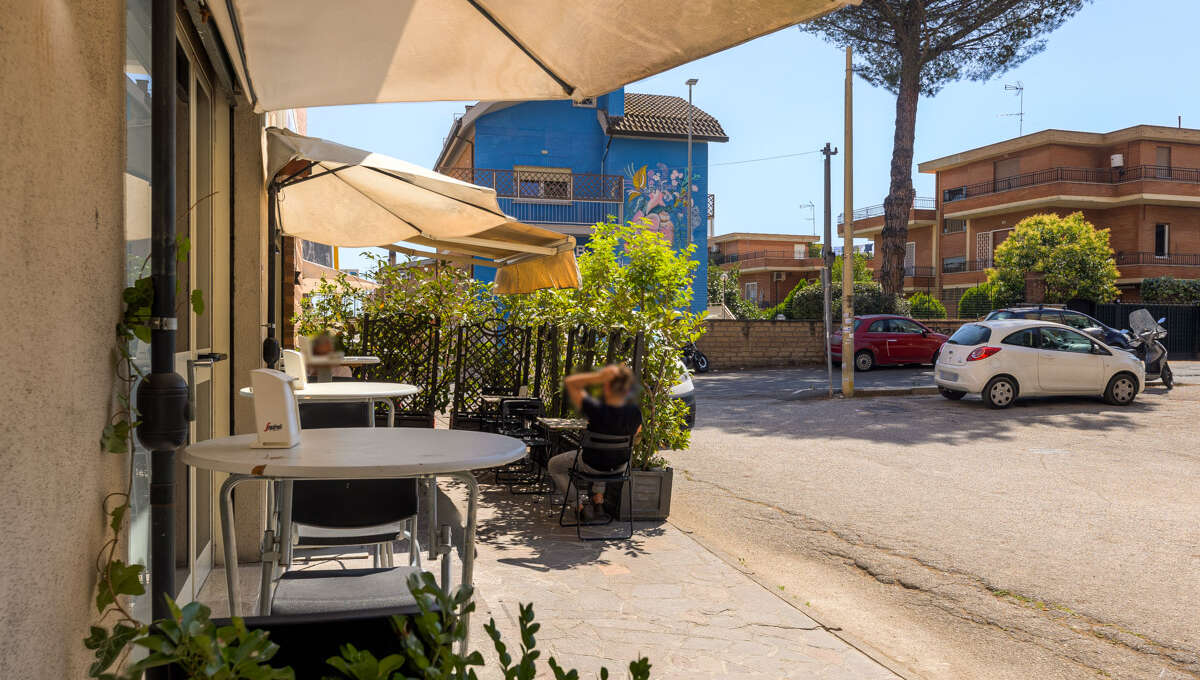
(577,383)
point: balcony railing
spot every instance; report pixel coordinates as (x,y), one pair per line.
(1127,259)
(1110,176)
(965,266)
(912,271)
(548,197)
(870,211)
(775,255)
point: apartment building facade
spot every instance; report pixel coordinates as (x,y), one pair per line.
(1142,183)
(567,165)
(769,265)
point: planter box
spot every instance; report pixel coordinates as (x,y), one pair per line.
(651,495)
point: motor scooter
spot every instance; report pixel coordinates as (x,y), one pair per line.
(694,358)
(1145,340)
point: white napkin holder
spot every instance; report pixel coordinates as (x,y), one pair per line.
(296,367)
(276,413)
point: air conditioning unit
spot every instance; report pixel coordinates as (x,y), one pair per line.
(778,276)
(1117,160)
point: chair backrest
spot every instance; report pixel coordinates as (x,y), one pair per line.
(306,641)
(349,503)
(606,442)
(518,414)
(294,365)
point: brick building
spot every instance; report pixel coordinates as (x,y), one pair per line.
(770,265)
(1142,183)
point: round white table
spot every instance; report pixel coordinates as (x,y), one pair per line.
(344,453)
(351,392)
(325,363)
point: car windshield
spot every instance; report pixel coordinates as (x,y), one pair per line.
(970,334)
(1002,314)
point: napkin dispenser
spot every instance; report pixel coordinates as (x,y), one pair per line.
(275,410)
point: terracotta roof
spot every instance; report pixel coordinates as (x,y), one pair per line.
(660,115)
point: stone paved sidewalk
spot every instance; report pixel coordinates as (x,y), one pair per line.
(661,595)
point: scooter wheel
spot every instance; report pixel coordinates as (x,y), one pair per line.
(1168,380)
(701,363)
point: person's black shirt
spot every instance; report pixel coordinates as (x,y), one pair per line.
(604,419)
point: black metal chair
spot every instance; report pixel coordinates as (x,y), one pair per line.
(595,441)
(518,419)
(353,512)
(306,641)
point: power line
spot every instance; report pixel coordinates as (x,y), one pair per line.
(766,158)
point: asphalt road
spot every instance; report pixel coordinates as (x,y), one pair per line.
(1057,539)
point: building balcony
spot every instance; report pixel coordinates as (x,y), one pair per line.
(962,266)
(919,203)
(1128,259)
(769,260)
(870,218)
(551,197)
(1102,185)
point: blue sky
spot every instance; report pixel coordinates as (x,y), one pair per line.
(1117,63)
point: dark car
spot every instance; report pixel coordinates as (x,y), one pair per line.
(1077,320)
(889,339)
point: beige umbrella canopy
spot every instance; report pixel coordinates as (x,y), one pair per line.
(338,195)
(319,53)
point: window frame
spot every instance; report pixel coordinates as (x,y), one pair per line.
(1042,336)
(1166,232)
(304,244)
(541,181)
(900,323)
(1037,338)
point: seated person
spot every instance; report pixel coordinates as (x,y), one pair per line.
(614,413)
(321,346)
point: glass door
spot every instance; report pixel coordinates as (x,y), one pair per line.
(202,203)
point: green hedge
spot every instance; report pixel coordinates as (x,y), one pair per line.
(1168,289)
(925,306)
(975,302)
(809,302)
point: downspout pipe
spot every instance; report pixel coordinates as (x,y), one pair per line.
(162,396)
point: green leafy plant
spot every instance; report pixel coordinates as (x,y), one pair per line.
(1074,255)
(862,271)
(724,287)
(1170,290)
(429,642)
(925,306)
(869,298)
(116,580)
(976,301)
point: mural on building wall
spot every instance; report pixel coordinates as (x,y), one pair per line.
(658,196)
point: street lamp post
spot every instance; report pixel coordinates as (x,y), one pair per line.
(691,82)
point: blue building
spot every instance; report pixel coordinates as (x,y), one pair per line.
(566,165)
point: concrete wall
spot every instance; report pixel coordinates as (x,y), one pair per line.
(62,236)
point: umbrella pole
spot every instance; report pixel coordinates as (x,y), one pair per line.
(271,343)
(162,396)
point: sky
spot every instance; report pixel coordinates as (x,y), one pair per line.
(1117,63)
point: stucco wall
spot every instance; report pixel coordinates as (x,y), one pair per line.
(62,236)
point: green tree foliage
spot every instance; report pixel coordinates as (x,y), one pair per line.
(1075,257)
(862,269)
(915,47)
(724,288)
(924,306)
(869,298)
(975,302)
(1167,289)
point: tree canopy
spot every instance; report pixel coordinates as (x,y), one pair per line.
(915,47)
(1074,255)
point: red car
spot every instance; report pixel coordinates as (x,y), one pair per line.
(889,339)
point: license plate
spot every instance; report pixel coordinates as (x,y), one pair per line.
(948,375)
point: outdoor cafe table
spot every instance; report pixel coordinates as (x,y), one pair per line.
(560,428)
(343,453)
(325,363)
(351,392)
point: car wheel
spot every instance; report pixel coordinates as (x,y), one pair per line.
(864,361)
(1121,390)
(953,395)
(1000,392)
(936,353)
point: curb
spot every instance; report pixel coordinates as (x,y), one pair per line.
(898,668)
(823,392)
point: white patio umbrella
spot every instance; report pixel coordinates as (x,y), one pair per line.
(342,196)
(318,53)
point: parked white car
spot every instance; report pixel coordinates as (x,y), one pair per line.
(1002,360)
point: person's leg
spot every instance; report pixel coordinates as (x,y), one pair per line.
(557,468)
(597,488)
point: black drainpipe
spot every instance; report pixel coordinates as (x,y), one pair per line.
(162,397)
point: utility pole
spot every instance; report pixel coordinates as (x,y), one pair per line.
(827,267)
(691,82)
(848,240)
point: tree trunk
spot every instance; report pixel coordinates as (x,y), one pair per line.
(899,200)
